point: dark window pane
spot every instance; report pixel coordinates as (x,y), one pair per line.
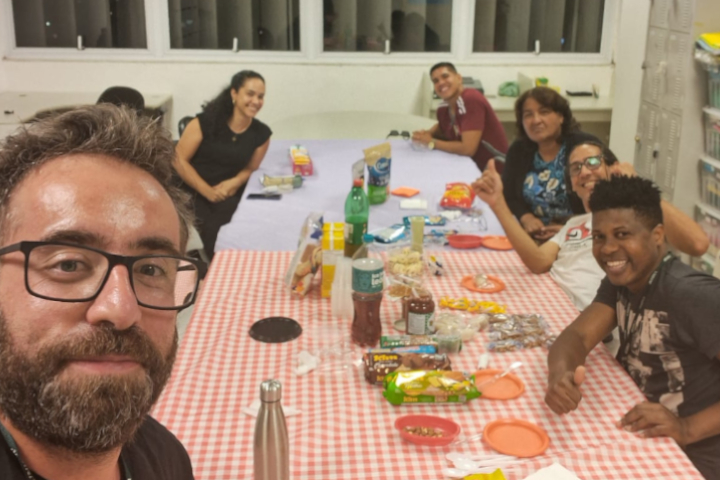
(559,25)
(100,23)
(401,25)
(241,24)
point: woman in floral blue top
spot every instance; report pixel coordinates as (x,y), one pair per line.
(534,175)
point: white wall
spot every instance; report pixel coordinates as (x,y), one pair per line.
(291,89)
(630,40)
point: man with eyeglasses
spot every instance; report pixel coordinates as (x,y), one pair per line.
(467,124)
(92,275)
(568,255)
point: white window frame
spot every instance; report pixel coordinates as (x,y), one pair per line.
(311,44)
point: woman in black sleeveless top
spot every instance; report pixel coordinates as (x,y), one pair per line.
(218,151)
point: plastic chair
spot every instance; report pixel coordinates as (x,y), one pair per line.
(195,245)
(123,96)
(183,123)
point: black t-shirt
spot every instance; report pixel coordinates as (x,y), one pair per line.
(154,454)
(673,354)
(222,154)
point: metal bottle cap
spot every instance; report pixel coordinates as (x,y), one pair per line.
(270,391)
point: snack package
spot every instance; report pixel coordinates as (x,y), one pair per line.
(457,195)
(467,326)
(378,160)
(390,234)
(300,160)
(307,258)
(512,332)
(379,363)
(430,220)
(294,181)
(443,343)
(436,386)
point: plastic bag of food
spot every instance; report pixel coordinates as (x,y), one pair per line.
(378,159)
(308,256)
(457,195)
(436,386)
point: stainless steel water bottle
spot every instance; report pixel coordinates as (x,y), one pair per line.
(271,458)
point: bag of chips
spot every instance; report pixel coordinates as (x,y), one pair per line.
(436,386)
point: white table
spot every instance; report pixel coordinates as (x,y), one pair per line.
(274,225)
(347,125)
(17,108)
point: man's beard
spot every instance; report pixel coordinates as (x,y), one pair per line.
(90,414)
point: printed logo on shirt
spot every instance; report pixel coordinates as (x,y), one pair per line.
(576,237)
(461,106)
(652,363)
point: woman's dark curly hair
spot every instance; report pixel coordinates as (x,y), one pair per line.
(220,109)
(548,98)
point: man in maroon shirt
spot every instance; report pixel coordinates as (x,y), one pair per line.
(465,120)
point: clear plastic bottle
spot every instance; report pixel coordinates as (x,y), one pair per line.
(357,212)
(271,451)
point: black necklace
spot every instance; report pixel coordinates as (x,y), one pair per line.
(30,475)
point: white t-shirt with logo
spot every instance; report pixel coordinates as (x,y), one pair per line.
(575,269)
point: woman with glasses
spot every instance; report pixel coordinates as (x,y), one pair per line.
(219,150)
(534,175)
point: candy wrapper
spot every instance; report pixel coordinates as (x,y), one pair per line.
(457,195)
(443,343)
(513,332)
(422,386)
(308,256)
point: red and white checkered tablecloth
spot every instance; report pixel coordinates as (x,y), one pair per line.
(345,430)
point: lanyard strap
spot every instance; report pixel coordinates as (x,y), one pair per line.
(29,474)
(628,334)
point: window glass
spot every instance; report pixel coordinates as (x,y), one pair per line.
(558,25)
(387,25)
(100,23)
(235,24)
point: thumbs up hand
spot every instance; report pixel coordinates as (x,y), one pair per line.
(563,394)
(489,187)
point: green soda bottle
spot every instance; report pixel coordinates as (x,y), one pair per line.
(357,211)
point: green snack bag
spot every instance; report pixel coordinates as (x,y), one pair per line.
(436,386)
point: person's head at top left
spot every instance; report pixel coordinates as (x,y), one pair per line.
(447,82)
(87,339)
(628,232)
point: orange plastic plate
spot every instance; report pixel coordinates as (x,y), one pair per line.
(513,436)
(497,242)
(405,192)
(469,283)
(508,387)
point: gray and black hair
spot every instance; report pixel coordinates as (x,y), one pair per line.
(116,132)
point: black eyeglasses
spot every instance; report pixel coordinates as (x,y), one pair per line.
(404,134)
(592,163)
(64,272)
